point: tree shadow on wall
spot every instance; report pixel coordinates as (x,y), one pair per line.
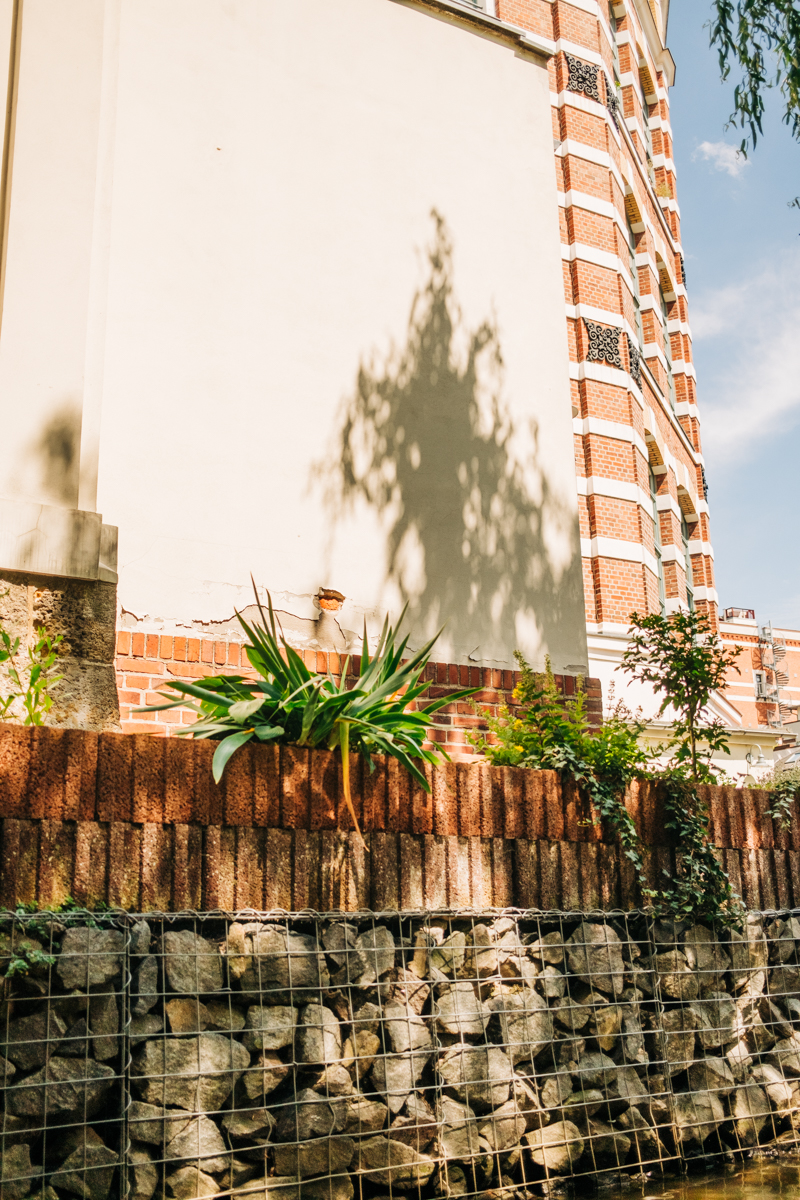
(428,442)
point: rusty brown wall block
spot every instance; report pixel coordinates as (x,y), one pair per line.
(138,821)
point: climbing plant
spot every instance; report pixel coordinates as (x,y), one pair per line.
(683,660)
(550,732)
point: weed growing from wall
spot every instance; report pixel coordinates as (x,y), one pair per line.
(27,683)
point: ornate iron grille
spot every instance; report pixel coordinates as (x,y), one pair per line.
(582,77)
(603,344)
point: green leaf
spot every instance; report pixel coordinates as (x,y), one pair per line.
(225,749)
(242,710)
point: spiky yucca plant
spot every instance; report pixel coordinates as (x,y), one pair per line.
(292,706)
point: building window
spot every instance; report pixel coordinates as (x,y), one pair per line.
(662,591)
(614,26)
(667,348)
(637,306)
(688,560)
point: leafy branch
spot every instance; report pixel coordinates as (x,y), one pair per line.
(762,37)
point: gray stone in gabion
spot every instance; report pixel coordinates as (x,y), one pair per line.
(281,959)
(265,1076)
(557,1147)
(249,1123)
(145,986)
(449,957)
(144,1027)
(395,1076)
(748,952)
(275,1187)
(196,1074)
(706,956)
(375,950)
(365,1116)
(76,1040)
(785,1054)
(555,1089)
(595,1070)
(479,1075)
(549,948)
(504,1128)
(192,965)
(104,1025)
(224,1016)
(140,937)
(584,1103)
(594,954)
(90,957)
(155,1125)
(716,1020)
(784,982)
(200,1141)
(551,983)
(339,940)
(777,1089)
(16,1172)
(309,1115)
(406,1030)
(675,1042)
(394,1164)
(321,1156)
(626,1086)
(29,1041)
(187,1014)
(696,1115)
(339,1188)
(7,1071)
(676,977)
(63,1087)
(333,1080)
(458,1132)
(88,1171)
(570,1015)
(458,1010)
(526,1025)
(319,1035)
(190,1183)
(648,1147)
(142,1173)
(269,1028)
(750,1109)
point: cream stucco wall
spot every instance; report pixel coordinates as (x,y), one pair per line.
(289,277)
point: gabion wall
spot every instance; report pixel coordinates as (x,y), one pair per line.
(310,1058)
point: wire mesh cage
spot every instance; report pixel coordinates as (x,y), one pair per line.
(315,1057)
(62,1014)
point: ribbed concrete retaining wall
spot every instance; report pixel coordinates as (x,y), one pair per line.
(137,821)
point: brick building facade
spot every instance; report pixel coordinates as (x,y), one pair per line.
(645,539)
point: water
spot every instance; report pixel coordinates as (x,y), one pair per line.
(758,1180)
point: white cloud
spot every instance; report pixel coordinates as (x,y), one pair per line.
(724,157)
(749,385)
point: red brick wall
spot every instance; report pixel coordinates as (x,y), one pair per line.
(147,662)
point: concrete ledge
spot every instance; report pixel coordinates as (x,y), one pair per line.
(41,539)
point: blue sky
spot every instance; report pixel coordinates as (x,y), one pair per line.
(742,249)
